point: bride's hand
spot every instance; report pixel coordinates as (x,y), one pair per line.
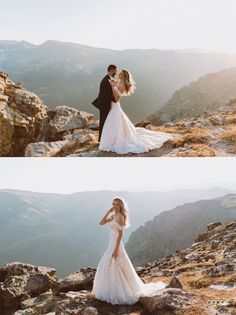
(112,83)
(115,254)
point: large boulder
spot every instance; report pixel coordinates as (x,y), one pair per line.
(168,299)
(21,281)
(84,303)
(21,116)
(81,280)
(73,303)
(29,128)
(69,144)
(38,305)
(63,120)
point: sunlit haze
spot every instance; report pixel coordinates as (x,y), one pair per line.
(163,24)
(69,175)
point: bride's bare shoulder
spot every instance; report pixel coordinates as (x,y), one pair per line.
(120,219)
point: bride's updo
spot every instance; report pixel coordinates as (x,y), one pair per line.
(123,209)
(129,82)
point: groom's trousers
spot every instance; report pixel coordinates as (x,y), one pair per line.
(103,116)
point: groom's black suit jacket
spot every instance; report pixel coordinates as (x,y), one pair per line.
(103,101)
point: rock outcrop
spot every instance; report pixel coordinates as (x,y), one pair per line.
(20,282)
(29,128)
(21,117)
(209,263)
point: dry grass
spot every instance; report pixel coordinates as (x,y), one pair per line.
(231,119)
(193,135)
(232,102)
(192,282)
(232,150)
(189,281)
(199,284)
(198,150)
(215,121)
(174,129)
(194,310)
(229,136)
(192,266)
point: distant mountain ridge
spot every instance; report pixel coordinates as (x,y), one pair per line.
(69,73)
(206,94)
(176,229)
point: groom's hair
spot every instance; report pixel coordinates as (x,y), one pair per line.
(111,67)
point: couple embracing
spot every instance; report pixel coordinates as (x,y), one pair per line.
(116,132)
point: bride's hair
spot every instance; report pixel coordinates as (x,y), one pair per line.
(129,82)
(123,209)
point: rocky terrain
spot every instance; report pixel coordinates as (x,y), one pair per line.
(29,128)
(200,280)
(208,135)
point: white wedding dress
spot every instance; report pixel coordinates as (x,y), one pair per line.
(121,136)
(116,280)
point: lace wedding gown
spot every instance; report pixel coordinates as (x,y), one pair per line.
(116,280)
(121,136)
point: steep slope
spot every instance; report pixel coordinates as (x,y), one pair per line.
(176,229)
(69,74)
(208,93)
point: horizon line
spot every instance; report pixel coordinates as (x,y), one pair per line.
(186,50)
(123,190)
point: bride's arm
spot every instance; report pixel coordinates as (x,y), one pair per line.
(105,220)
(115,94)
(119,237)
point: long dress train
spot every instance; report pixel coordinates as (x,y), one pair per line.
(121,136)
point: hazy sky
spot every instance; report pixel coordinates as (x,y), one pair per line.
(166,24)
(67,175)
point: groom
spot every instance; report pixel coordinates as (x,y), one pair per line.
(105,97)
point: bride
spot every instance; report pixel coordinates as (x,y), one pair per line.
(119,134)
(116,280)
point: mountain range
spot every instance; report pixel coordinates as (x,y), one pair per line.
(69,73)
(63,231)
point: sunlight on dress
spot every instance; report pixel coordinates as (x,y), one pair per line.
(116,280)
(121,136)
